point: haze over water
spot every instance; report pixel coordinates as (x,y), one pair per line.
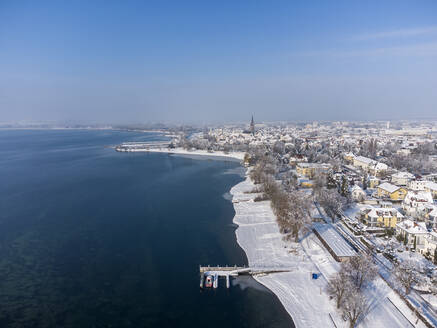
(94,238)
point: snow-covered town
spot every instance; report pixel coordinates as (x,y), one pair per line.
(351,206)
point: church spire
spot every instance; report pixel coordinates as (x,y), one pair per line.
(252,126)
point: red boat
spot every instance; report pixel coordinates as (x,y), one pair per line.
(209,281)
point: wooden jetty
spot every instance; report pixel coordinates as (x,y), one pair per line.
(228,271)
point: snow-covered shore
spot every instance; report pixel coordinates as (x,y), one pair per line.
(258,234)
(304,299)
(197,152)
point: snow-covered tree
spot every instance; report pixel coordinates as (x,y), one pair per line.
(331,201)
(360,270)
(355,306)
(365,181)
(319,181)
(344,188)
(331,183)
(293,215)
(405,274)
(289,181)
(435,256)
(338,287)
(279,147)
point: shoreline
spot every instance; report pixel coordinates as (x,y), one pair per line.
(259,237)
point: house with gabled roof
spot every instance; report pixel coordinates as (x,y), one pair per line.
(380,217)
(402,178)
(370,165)
(415,202)
(410,231)
(388,190)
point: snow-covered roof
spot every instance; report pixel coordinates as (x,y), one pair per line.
(418,196)
(336,242)
(431,185)
(388,187)
(413,227)
(381,166)
(364,159)
(356,188)
(403,175)
(383,212)
(314,165)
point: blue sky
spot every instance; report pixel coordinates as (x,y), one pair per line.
(200,61)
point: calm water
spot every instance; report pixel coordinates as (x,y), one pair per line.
(94,238)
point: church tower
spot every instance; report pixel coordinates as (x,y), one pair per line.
(252,126)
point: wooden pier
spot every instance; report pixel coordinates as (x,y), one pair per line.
(228,271)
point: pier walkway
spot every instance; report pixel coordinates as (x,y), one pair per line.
(228,271)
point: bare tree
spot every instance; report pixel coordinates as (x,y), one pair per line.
(360,270)
(257,174)
(270,187)
(292,212)
(289,181)
(338,286)
(298,215)
(319,181)
(331,201)
(355,307)
(405,274)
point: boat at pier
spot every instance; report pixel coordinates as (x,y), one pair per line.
(209,281)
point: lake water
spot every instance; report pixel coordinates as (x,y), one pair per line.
(90,237)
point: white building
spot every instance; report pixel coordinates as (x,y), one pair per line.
(402,178)
(430,243)
(413,231)
(415,202)
(417,185)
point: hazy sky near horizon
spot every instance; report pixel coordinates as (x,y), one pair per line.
(217,61)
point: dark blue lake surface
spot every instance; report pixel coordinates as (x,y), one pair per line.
(94,238)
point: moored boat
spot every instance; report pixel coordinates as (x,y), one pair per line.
(209,281)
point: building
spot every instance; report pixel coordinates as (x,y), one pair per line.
(369,165)
(378,169)
(312,169)
(293,160)
(333,242)
(349,157)
(417,184)
(388,190)
(305,183)
(252,126)
(377,217)
(431,187)
(363,162)
(430,244)
(415,202)
(402,178)
(431,216)
(410,231)
(373,182)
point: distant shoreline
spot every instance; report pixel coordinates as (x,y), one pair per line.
(83,128)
